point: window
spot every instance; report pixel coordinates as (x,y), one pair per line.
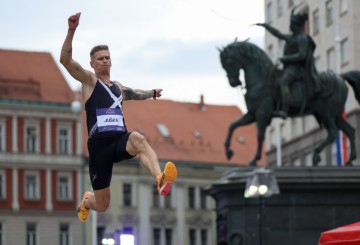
(64,187)
(318,63)
(280,50)
(204,237)
(308,159)
(331,59)
(290,3)
(191,196)
(31,138)
(323,158)
(197,134)
(295,127)
(296,162)
(156,236)
(64,140)
(282,132)
(168,236)
(127,195)
(31,234)
(100,234)
(163,130)
(156,197)
(279,8)
(329,13)
(2,184)
(309,123)
(2,135)
(270,51)
(32,186)
(343,6)
(192,237)
(268,12)
(127,230)
(272,137)
(334,156)
(167,200)
(203,204)
(316,22)
(64,234)
(344,49)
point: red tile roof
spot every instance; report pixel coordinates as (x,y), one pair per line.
(196,135)
(183,120)
(32,76)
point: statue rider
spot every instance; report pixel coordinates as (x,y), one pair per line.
(298,59)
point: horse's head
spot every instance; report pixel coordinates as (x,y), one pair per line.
(249,57)
(231,64)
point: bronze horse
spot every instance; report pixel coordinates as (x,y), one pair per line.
(262,97)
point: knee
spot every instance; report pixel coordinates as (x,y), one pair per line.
(137,139)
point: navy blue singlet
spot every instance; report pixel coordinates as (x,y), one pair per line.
(100,98)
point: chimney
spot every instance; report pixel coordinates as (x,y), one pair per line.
(202,105)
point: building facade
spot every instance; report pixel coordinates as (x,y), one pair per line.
(333,26)
(40,152)
(44,163)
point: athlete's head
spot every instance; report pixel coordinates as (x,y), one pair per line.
(98,48)
(100,58)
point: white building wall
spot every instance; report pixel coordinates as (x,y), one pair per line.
(47,229)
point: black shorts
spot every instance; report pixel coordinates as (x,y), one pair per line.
(103,153)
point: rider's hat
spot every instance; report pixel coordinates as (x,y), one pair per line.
(299,18)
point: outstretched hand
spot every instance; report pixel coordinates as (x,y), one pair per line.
(74,20)
(157,93)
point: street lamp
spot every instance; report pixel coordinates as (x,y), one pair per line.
(76,106)
(261,183)
(108,241)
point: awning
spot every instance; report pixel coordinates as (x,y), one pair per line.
(345,235)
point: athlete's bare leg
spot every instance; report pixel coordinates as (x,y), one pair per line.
(137,145)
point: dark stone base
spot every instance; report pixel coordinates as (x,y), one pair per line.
(311,200)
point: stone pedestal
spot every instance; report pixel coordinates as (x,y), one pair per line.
(311,200)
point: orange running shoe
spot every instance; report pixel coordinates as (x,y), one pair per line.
(82,211)
(165,179)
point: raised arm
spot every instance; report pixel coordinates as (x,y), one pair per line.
(273,31)
(138,94)
(73,67)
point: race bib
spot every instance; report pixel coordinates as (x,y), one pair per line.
(110,119)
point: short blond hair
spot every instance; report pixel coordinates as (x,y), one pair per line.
(98,48)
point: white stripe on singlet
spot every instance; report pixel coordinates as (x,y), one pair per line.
(117,102)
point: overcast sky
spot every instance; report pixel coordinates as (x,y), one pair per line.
(169,44)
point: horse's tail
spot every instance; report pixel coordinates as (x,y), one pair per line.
(353,78)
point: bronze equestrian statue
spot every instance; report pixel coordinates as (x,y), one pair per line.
(298,59)
(263,93)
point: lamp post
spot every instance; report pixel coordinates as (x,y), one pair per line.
(261,183)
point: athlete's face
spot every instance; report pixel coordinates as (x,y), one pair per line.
(101,61)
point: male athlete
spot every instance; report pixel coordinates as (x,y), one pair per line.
(108,139)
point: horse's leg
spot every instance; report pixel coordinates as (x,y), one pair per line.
(263,120)
(350,133)
(244,120)
(332,131)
